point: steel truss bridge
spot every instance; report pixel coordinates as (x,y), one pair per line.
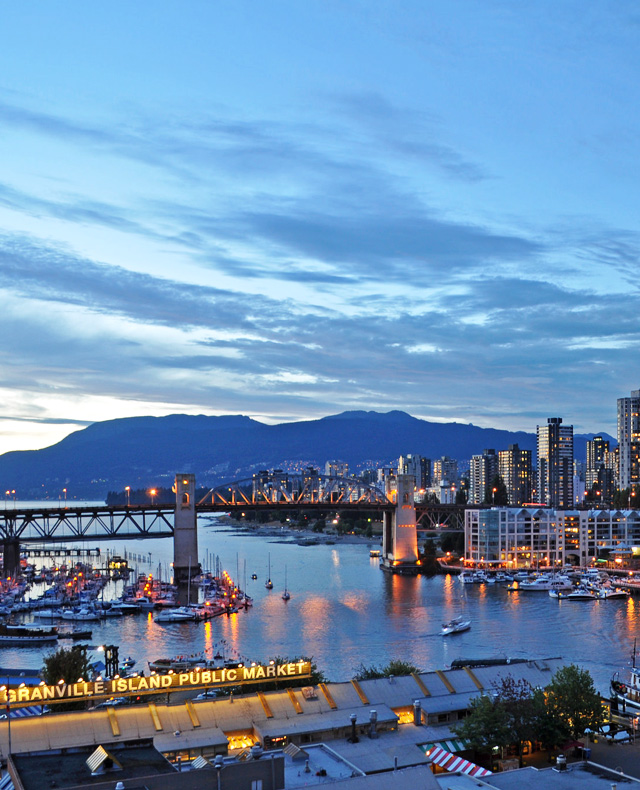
(290,494)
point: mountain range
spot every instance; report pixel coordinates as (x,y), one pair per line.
(148,451)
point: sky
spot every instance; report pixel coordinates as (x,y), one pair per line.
(293,208)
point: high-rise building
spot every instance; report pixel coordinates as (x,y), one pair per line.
(445,470)
(629,440)
(418,466)
(597,449)
(555,463)
(482,471)
(514,467)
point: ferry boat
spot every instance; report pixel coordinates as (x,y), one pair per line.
(27,635)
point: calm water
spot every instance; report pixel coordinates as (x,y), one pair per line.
(344,611)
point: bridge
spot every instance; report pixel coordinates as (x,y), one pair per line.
(288,493)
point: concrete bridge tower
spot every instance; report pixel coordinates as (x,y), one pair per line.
(185,532)
(399,534)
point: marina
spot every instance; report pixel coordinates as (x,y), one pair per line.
(346,613)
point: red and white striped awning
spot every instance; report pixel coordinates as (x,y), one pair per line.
(452,762)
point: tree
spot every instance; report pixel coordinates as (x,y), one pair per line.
(496,492)
(508,716)
(395,668)
(68,665)
(551,731)
(486,726)
(574,700)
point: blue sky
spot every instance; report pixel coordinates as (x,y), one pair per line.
(290,209)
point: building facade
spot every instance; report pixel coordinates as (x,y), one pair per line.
(419,467)
(445,470)
(546,537)
(482,471)
(629,440)
(514,467)
(555,464)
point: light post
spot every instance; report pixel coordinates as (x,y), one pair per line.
(64,491)
(7,494)
(152,494)
(493,495)
(128,491)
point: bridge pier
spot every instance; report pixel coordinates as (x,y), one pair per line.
(399,532)
(185,536)
(10,557)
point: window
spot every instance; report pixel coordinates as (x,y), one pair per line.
(256,784)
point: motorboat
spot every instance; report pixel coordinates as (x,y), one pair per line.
(180,615)
(611,593)
(578,594)
(456,626)
(176,664)
(77,615)
(466,577)
(546,583)
(269,584)
(374,552)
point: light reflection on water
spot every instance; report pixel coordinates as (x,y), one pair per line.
(345,612)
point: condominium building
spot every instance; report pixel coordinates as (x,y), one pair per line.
(629,440)
(514,467)
(539,537)
(597,448)
(482,472)
(336,469)
(555,463)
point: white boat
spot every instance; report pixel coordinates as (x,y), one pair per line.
(78,615)
(455,626)
(579,594)
(180,615)
(611,593)
(466,577)
(546,583)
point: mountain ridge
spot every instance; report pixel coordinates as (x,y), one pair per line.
(148,451)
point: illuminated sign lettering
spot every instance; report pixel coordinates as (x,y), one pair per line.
(227,676)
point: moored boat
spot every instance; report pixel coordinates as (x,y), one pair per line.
(627,695)
(27,635)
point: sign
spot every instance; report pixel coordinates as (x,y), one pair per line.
(194,678)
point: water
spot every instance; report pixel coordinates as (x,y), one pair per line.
(345,612)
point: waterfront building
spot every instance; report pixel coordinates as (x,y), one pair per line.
(445,470)
(482,471)
(555,463)
(514,467)
(538,536)
(418,466)
(629,440)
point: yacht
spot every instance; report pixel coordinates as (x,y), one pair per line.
(456,626)
(546,583)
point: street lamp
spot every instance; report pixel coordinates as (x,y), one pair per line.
(493,495)
(64,491)
(128,490)
(152,494)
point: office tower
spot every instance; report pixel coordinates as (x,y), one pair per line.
(555,463)
(482,471)
(629,440)
(418,466)
(514,467)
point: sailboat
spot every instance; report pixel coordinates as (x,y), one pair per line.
(269,584)
(286,594)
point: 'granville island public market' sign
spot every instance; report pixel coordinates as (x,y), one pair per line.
(212,678)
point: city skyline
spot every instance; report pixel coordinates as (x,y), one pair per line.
(292,210)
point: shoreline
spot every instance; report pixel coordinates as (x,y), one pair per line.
(302,537)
